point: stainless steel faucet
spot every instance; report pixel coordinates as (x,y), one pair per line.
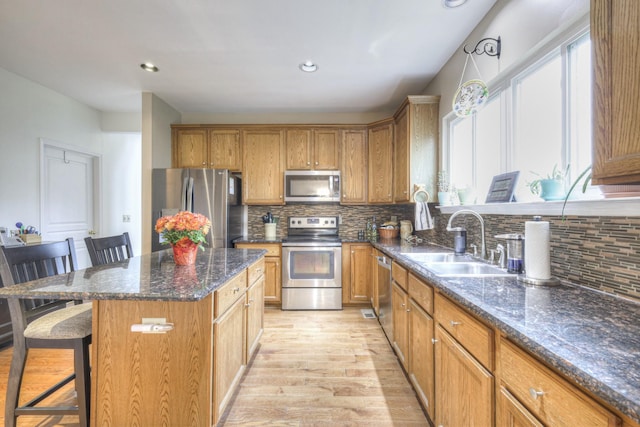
(477,215)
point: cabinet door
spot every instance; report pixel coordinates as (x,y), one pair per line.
(191,148)
(353,170)
(464,388)
(356,273)
(273,280)
(380,164)
(299,149)
(421,356)
(401,158)
(400,302)
(511,413)
(326,149)
(263,170)
(225,151)
(228,355)
(255,316)
(615,33)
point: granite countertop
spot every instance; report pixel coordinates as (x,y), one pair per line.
(259,239)
(591,337)
(148,277)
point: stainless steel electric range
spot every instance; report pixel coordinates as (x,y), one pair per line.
(312,264)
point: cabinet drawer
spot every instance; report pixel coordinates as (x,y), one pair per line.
(272,249)
(399,274)
(229,293)
(421,293)
(471,333)
(549,397)
(255,271)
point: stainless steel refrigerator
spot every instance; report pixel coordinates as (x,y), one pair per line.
(215,193)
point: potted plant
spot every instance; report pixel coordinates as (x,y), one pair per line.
(185,232)
(443,189)
(550,187)
(586,174)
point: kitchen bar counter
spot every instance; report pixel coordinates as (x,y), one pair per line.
(591,337)
(148,277)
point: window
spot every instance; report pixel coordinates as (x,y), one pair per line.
(538,118)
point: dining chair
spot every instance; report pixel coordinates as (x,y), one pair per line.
(45,323)
(105,250)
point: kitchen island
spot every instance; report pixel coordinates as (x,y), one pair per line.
(210,316)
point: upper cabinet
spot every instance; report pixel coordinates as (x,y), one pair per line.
(415,146)
(380,177)
(615,34)
(207,148)
(312,149)
(263,167)
(353,172)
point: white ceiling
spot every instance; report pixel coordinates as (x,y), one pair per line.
(230,56)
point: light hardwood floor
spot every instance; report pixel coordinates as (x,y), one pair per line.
(313,368)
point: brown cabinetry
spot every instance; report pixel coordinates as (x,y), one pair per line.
(356,273)
(380,158)
(225,149)
(272,270)
(255,309)
(415,146)
(400,303)
(353,169)
(263,167)
(207,148)
(616,132)
(191,148)
(312,149)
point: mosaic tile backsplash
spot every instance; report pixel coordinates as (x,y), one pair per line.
(599,252)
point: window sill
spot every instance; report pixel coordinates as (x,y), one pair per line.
(627,206)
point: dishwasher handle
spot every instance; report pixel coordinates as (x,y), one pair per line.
(384,262)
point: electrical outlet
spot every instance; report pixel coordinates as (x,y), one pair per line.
(126,218)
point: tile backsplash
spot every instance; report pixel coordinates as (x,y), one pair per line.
(599,252)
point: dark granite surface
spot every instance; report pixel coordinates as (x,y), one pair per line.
(147,277)
(591,337)
(256,240)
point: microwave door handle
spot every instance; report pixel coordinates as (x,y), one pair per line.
(331,192)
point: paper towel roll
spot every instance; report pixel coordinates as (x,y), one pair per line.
(537,262)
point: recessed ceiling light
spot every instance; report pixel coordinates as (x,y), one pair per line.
(308,67)
(148,66)
(453,3)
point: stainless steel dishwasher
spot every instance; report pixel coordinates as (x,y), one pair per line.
(385,314)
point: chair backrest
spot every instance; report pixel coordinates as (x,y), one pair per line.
(19,264)
(105,250)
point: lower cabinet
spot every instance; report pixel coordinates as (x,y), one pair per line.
(255,318)
(400,303)
(512,413)
(464,388)
(421,356)
(272,270)
(356,273)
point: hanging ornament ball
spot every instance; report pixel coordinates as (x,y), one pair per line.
(470,97)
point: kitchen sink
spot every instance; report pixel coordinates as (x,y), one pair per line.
(429,257)
(465,269)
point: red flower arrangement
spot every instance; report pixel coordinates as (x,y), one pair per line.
(183,227)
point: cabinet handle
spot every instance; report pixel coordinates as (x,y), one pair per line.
(408,310)
(308,163)
(258,270)
(455,323)
(535,393)
(317,163)
(204,163)
(402,305)
(248,305)
(280,196)
(433,340)
(236,290)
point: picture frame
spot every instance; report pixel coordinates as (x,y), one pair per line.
(503,187)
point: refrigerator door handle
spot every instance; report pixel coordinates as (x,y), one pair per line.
(190,195)
(185,186)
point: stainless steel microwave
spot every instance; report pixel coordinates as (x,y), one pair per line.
(312,186)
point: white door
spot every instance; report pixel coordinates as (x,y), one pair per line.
(68,205)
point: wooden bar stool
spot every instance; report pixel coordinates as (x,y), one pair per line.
(105,250)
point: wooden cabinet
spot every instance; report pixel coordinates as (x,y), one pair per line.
(255,309)
(400,304)
(190,148)
(463,360)
(225,149)
(616,130)
(380,168)
(356,273)
(548,397)
(207,148)
(512,413)
(263,167)
(272,270)
(464,388)
(415,146)
(353,169)
(375,291)
(312,149)
(228,355)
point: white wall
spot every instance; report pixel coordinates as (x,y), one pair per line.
(521,24)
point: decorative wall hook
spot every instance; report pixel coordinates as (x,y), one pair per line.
(488,45)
